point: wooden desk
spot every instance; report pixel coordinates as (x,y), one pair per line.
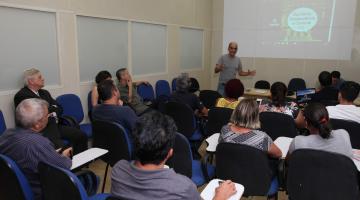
(261,93)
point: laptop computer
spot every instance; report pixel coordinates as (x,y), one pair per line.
(304,96)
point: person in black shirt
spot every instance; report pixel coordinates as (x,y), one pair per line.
(327,95)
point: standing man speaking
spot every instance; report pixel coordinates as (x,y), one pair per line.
(228,65)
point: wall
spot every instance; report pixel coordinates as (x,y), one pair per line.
(284,69)
(174,14)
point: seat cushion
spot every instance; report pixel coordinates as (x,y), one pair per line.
(197,173)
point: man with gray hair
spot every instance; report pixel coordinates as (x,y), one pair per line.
(27,147)
(34,82)
(182,95)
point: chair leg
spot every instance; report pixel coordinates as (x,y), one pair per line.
(106,170)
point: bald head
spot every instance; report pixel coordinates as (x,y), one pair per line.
(232,48)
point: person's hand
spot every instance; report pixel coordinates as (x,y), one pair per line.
(129,83)
(221,67)
(68,152)
(251,73)
(225,190)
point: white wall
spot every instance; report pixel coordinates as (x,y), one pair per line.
(174,14)
(284,69)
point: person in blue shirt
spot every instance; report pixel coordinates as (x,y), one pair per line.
(26,145)
(112,108)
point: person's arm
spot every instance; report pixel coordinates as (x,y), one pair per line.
(219,65)
(94,96)
(45,152)
(248,73)
(274,151)
(130,86)
(225,190)
(137,83)
(53,104)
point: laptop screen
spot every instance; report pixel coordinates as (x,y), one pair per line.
(304,96)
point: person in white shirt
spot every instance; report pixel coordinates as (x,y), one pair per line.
(346,109)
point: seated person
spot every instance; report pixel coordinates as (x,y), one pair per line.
(233,90)
(111,108)
(346,109)
(34,82)
(321,136)
(327,93)
(336,79)
(101,76)
(26,145)
(243,127)
(182,95)
(128,93)
(146,177)
(278,103)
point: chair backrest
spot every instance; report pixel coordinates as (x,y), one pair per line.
(71,105)
(209,98)
(173,85)
(296,84)
(181,161)
(194,85)
(162,88)
(217,118)
(183,116)
(277,124)
(113,137)
(315,174)
(13,183)
(353,128)
(262,84)
(59,184)
(146,91)
(245,165)
(2,123)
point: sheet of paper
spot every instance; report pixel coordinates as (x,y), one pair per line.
(209,192)
(283,143)
(87,156)
(212,141)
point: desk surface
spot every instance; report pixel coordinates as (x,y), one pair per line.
(261,93)
(87,156)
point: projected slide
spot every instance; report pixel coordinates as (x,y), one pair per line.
(310,29)
(298,22)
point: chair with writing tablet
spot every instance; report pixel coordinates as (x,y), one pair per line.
(113,137)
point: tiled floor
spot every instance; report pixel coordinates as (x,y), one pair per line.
(98,167)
